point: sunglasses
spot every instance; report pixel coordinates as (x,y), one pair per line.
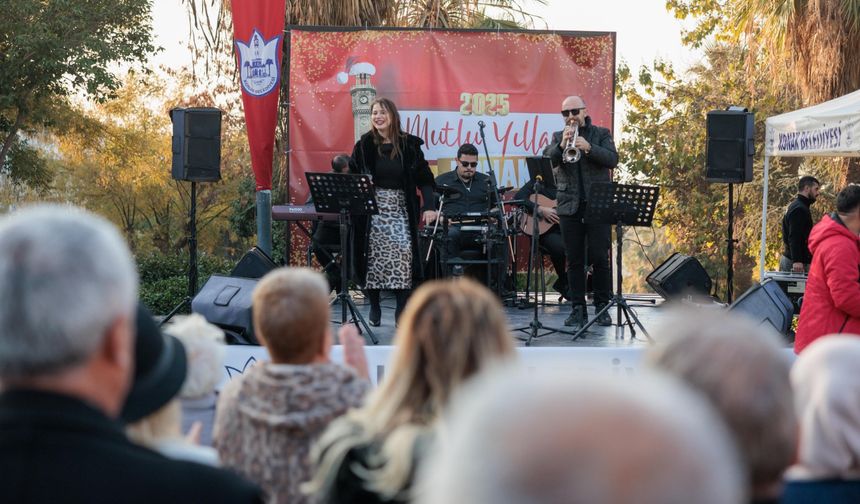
(466,164)
(572,112)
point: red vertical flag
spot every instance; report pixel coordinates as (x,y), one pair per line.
(258,31)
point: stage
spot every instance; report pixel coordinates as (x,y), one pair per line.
(598,352)
(646,306)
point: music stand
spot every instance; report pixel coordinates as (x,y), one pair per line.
(540,169)
(347,195)
(541,165)
(620,204)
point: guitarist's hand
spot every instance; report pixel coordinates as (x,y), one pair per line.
(548,214)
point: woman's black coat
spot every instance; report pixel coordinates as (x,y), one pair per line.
(417,175)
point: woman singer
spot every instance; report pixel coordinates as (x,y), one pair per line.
(386,245)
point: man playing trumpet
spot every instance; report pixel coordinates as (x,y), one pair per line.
(578,162)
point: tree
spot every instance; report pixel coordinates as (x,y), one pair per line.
(462,14)
(53,49)
(818,40)
(664,143)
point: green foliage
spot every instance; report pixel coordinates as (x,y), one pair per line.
(26,165)
(664,144)
(164,277)
(63,47)
(242,215)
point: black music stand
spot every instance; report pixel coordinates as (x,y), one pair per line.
(620,204)
(347,195)
(539,170)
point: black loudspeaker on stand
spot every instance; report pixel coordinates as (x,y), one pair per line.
(196,158)
(730,160)
(620,204)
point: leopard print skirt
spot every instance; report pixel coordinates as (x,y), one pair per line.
(389,255)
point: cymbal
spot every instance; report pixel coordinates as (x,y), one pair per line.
(447,190)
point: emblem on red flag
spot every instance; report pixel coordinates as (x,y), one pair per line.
(258,64)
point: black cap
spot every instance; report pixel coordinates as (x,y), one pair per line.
(159,369)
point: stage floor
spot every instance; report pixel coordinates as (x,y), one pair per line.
(646,306)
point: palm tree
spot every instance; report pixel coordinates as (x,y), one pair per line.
(463,13)
(819,38)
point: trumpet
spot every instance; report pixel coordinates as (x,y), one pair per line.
(571,154)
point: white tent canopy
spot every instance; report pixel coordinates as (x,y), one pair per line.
(828,129)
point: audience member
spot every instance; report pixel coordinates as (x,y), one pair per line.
(67,311)
(515,437)
(831,302)
(152,408)
(826,386)
(268,418)
(742,369)
(204,346)
(449,331)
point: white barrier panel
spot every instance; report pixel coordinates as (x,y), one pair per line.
(605,361)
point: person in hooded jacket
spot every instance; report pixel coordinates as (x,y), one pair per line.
(831,303)
(267,419)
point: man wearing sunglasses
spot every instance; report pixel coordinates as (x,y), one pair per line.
(584,242)
(474,196)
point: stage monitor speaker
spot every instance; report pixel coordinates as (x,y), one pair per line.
(254,264)
(226,302)
(766,303)
(680,275)
(730,146)
(196,144)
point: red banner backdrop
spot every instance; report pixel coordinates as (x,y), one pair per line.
(443,82)
(258,28)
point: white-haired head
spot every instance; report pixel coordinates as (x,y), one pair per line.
(67,276)
(827,384)
(513,438)
(743,369)
(204,348)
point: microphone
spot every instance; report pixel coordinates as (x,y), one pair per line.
(539,178)
(481,124)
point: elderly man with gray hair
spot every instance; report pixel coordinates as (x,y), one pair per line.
(67,306)
(743,368)
(514,438)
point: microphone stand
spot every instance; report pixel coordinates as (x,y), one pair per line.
(536,326)
(435,226)
(495,188)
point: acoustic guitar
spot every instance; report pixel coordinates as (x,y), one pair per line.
(543,224)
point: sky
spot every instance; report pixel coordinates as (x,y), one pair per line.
(644,31)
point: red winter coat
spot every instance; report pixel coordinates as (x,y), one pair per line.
(831,303)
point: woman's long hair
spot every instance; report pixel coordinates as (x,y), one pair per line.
(395,135)
(449,331)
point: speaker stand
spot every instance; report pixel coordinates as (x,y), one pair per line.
(730,248)
(192,258)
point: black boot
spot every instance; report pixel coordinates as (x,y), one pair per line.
(375,317)
(603,319)
(577,317)
(402,296)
